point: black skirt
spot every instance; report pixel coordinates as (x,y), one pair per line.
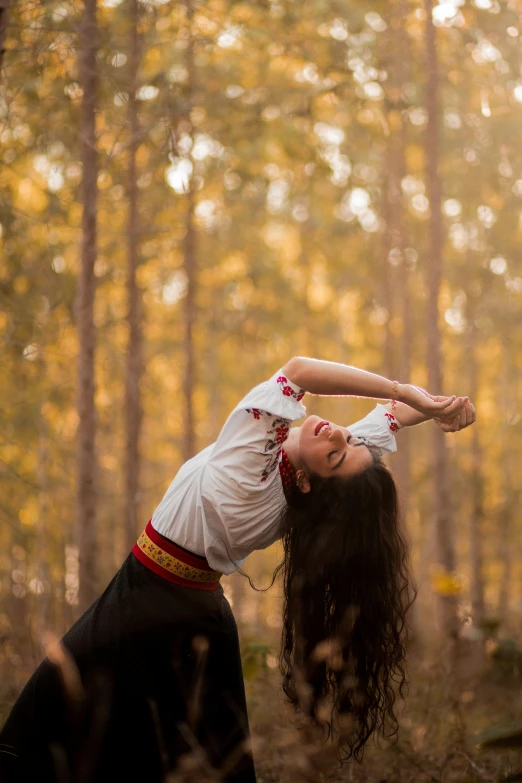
(160,689)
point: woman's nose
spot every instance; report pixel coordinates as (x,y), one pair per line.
(336,434)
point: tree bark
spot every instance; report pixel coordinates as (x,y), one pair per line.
(386,282)
(402,364)
(403,55)
(398,276)
(477,510)
(190,267)
(3,28)
(86,455)
(442,513)
(134,364)
(511,495)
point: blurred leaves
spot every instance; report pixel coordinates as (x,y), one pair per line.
(446,584)
(254,658)
(287,128)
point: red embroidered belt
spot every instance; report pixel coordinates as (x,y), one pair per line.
(172,563)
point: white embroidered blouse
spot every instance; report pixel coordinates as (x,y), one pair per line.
(227,500)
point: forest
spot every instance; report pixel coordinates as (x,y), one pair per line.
(192,193)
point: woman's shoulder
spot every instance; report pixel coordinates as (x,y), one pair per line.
(276,395)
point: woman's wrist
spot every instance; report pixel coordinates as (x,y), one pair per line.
(407,416)
(401,394)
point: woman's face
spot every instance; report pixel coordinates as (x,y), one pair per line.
(329,450)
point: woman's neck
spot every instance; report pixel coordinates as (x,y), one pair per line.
(291,447)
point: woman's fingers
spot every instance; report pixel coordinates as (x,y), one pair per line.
(443,404)
(447,426)
(458,416)
(456,407)
(453,410)
(471,415)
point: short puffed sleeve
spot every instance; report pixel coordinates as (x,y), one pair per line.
(378,428)
(247,450)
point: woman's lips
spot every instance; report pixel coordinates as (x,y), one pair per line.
(321,425)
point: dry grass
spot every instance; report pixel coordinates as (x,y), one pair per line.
(439,721)
(442,714)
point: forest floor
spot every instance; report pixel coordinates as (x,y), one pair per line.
(439,723)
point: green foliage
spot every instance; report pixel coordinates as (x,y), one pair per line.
(254,657)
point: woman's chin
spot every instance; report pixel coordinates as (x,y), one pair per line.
(307,434)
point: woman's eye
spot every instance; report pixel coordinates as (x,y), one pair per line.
(332,453)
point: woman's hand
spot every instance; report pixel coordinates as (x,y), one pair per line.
(459,420)
(428,405)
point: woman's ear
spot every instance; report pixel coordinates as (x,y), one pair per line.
(303,484)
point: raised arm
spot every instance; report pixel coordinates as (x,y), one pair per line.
(333,379)
(456,417)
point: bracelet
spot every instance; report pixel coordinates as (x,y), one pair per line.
(394,396)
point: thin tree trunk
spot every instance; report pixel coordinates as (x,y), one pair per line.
(403,459)
(86,456)
(306,336)
(510,494)
(477,510)
(402,55)
(506,555)
(133,408)
(386,282)
(43,533)
(190,318)
(441,484)
(190,266)
(212,361)
(397,272)
(3,28)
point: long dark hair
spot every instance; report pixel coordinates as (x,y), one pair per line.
(347,589)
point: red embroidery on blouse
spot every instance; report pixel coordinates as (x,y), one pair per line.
(392,423)
(287,390)
(277,435)
(280,428)
(282,433)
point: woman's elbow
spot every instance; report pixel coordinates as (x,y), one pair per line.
(293,369)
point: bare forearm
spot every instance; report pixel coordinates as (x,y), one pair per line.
(328,378)
(406,416)
(321,377)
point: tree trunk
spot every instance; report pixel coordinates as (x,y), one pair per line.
(477,510)
(444,533)
(43,532)
(402,54)
(190,266)
(86,456)
(397,272)
(133,409)
(3,28)
(511,495)
(386,281)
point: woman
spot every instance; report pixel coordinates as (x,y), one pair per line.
(149,679)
